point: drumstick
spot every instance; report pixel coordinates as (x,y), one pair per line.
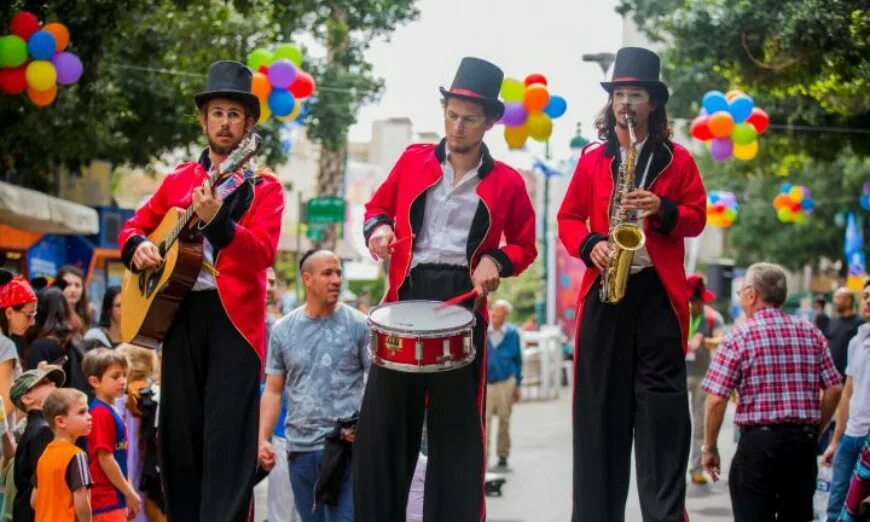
(392,245)
(456,300)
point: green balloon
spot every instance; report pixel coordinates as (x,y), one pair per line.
(743,134)
(512,90)
(259,58)
(13,51)
(784,214)
(290,52)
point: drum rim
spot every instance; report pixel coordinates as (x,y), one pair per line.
(423,368)
(425,334)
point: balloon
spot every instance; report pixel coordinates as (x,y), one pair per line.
(719,207)
(536,98)
(515,137)
(721,124)
(556,107)
(795,207)
(24,24)
(514,114)
(289,52)
(293,114)
(264,112)
(303,85)
(784,214)
(867,187)
(796,194)
(13,51)
(721,148)
(758,119)
(535,78)
(60,33)
(13,80)
(282,73)
(808,204)
(259,58)
(800,217)
(730,214)
(733,93)
(69,67)
(41,45)
(743,134)
(41,75)
(741,107)
(714,197)
(714,101)
(784,188)
(864,200)
(540,126)
(281,102)
(745,152)
(42,98)
(700,130)
(780,201)
(260,86)
(512,90)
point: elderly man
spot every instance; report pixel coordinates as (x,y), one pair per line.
(504,373)
(777,364)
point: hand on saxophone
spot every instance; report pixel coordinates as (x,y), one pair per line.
(643,200)
(600,255)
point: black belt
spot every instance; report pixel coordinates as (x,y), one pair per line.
(780,427)
(440,266)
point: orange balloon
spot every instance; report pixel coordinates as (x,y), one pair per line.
(536,97)
(42,98)
(60,33)
(721,124)
(260,86)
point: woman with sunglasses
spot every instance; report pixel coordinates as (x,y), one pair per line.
(17,315)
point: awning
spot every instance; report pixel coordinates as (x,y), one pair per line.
(37,212)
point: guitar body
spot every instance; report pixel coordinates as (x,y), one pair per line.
(149,299)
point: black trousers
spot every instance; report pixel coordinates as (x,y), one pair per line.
(630,383)
(209,415)
(773,474)
(391,419)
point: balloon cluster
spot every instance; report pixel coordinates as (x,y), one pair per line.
(529,110)
(793,203)
(864,200)
(730,124)
(722,208)
(279,81)
(33,59)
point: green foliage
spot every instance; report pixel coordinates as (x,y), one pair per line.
(521,292)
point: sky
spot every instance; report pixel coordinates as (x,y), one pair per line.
(543,36)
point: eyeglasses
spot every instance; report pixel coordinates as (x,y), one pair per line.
(470,122)
(233,115)
(630,96)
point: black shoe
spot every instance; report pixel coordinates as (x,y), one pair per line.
(502,462)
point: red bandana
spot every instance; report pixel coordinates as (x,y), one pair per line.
(16,292)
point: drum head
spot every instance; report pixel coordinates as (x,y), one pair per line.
(420,316)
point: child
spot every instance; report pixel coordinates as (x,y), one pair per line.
(60,492)
(28,393)
(113,496)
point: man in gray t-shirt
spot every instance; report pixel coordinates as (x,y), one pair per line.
(318,357)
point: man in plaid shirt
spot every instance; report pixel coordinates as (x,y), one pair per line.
(777,364)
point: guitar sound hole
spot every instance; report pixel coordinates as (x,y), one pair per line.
(148,281)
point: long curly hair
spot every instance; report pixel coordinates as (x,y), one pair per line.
(659,126)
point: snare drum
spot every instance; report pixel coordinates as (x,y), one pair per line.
(415,337)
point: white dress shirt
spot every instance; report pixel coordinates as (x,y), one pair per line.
(641,257)
(443,237)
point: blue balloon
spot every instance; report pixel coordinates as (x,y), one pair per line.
(740,108)
(281,102)
(865,201)
(41,45)
(808,204)
(784,188)
(556,107)
(714,101)
(714,198)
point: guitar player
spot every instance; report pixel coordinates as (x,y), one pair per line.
(214,348)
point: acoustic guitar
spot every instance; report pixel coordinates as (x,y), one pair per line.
(150,298)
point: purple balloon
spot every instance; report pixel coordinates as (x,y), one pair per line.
(282,73)
(721,148)
(514,114)
(867,187)
(69,67)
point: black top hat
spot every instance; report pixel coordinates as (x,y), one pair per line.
(480,81)
(227,79)
(638,66)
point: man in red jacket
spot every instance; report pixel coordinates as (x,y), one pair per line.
(629,366)
(458,202)
(213,352)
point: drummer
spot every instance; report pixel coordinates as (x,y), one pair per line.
(446,207)
(317,358)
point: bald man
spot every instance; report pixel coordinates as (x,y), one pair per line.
(317,357)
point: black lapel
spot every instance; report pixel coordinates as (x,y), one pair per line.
(662,155)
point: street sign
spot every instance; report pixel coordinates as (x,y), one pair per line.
(314,234)
(325,210)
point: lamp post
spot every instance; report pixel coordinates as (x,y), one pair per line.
(604,60)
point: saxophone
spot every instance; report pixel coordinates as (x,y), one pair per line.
(624,235)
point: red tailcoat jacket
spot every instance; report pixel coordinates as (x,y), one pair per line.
(244,234)
(674,177)
(504,210)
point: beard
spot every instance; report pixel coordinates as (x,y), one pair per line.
(220,148)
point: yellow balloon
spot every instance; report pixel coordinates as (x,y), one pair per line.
(41,75)
(293,114)
(796,194)
(512,90)
(515,137)
(745,152)
(264,113)
(540,126)
(733,93)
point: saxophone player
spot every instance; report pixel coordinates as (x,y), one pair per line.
(629,366)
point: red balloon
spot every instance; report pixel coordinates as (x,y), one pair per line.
(24,24)
(795,207)
(758,119)
(302,86)
(700,130)
(720,208)
(535,78)
(264,69)
(13,81)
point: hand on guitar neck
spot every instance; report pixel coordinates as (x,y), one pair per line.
(205,204)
